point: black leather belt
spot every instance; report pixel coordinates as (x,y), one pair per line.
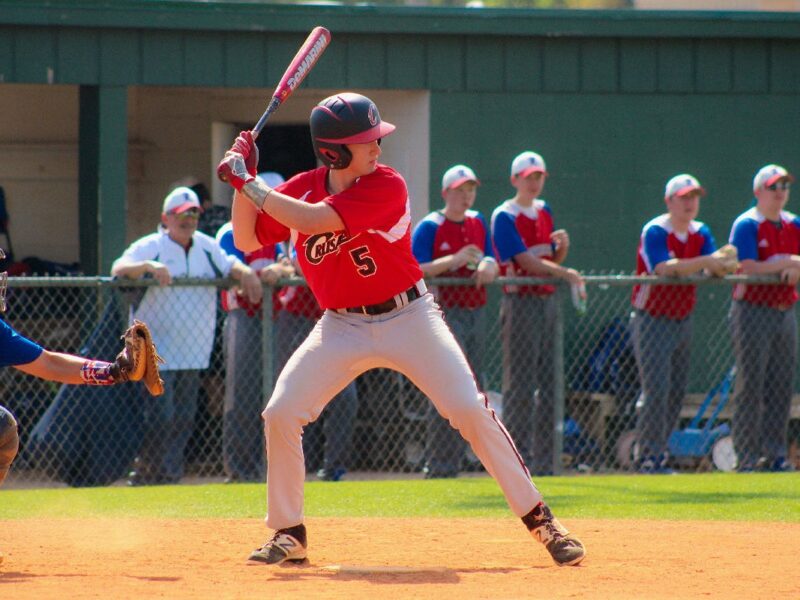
(392,303)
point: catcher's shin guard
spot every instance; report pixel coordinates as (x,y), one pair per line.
(9,441)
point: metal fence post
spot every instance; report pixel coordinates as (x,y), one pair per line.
(267,344)
(558,384)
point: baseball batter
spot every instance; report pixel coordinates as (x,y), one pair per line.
(350,222)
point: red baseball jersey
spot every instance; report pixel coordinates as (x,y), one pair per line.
(757,238)
(256,260)
(517,229)
(367,262)
(436,236)
(299,300)
(659,243)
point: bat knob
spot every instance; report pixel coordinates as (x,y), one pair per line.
(222,174)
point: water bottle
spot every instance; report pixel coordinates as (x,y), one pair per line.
(473,263)
(579,297)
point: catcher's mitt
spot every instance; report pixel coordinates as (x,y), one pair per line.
(139,360)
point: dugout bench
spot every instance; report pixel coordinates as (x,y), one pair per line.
(596,413)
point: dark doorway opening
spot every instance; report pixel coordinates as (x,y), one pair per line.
(285,149)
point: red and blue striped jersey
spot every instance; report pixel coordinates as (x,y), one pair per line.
(758,238)
(517,229)
(437,236)
(659,243)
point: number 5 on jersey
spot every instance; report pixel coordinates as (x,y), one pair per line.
(364,263)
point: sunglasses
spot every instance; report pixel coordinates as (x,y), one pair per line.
(192,213)
(779,185)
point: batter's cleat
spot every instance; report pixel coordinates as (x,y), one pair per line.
(286,545)
(564,547)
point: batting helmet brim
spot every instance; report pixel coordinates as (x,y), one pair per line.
(380,130)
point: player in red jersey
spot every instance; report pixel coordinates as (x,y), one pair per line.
(674,244)
(764,324)
(455,242)
(350,222)
(527,244)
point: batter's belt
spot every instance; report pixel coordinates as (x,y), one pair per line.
(399,301)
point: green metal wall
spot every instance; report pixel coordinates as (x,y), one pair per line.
(616,101)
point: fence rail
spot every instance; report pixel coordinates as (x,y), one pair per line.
(91,436)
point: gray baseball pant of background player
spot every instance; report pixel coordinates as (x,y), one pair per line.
(444,447)
(242,429)
(413,340)
(765,346)
(168,422)
(339,417)
(528,332)
(663,350)
(9,441)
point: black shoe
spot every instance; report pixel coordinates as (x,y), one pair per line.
(331,474)
(136,479)
(780,465)
(439,473)
(237,478)
(564,548)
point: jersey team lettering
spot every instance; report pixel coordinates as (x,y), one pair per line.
(320,245)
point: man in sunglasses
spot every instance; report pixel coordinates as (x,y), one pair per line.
(763,324)
(183,320)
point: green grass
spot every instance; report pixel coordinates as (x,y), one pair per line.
(762,497)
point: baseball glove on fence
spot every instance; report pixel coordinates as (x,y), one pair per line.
(139,360)
(730,256)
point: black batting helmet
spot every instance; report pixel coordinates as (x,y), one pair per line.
(345,118)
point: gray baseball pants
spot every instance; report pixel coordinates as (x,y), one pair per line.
(765,347)
(662,348)
(528,332)
(242,429)
(444,447)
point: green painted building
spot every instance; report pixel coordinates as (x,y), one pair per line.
(103,104)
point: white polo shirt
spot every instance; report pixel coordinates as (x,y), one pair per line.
(181,319)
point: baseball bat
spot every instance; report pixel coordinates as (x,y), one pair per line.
(301,65)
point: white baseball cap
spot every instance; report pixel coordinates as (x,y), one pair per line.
(180,200)
(682,184)
(456,175)
(526,163)
(272,178)
(769,175)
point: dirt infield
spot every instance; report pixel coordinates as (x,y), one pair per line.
(465,558)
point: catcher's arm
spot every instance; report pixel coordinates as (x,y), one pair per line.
(138,360)
(68,368)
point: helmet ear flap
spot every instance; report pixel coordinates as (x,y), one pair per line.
(333,156)
(330,154)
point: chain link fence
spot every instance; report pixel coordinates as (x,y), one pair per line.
(566,378)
